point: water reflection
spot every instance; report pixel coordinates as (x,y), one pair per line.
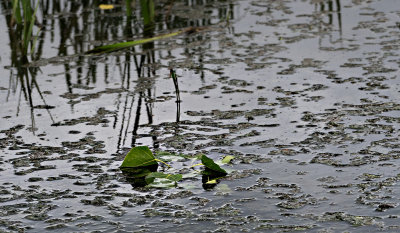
(137,176)
(330,8)
(174,78)
(22,77)
(69,29)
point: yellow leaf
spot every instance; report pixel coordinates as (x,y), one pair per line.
(106,6)
(212,181)
(227,159)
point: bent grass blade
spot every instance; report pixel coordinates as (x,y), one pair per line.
(123,45)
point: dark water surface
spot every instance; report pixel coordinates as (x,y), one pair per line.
(305,95)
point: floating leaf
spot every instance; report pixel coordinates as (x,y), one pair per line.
(172,177)
(223,189)
(227,159)
(168,156)
(162,183)
(210,179)
(139,156)
(209,163)
(136,176)
(140,169)
(162,180)
(190,175)
(176,177)
(106,6)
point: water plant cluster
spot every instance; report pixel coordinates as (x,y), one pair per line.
(140,167)
(24,16)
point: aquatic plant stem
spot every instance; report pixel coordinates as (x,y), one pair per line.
(128,44)
(199,164)
(162,162)
(122,45)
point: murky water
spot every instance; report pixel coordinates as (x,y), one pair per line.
(305,94)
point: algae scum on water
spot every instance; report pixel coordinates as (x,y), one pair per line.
(244,116)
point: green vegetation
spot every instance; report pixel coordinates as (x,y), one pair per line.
(123,45)
(176,84)
(25,16)
(211,166)
(148,12)
(140,168)
(139,156)
(21,24)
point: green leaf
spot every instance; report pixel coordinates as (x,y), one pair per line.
(139,156)
(17,11)
(162,180)
(176,177)
(136,175)
(162,183)
(128,44)
(223,189)
(147,7)
(123,45)
(227,159)
(168,156)
(209,163)
(171,177)
(138,172)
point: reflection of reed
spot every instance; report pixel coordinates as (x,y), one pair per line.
(147,10)
(177,93)
(331,7)
(143,96)
(21,35)
(143,61)
(27,77)
(147,56)
(331,11)
(79,22)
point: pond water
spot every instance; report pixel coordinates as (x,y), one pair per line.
(304,93)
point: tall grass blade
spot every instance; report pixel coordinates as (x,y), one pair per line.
(31,20)
(26,10)
(35,41)
(17,12)
(128,6)
(128,44)
(147,7)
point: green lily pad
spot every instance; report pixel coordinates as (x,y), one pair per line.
(169,157)
(136,175)
(138,172)
(162,180)
(140,169)
(140,156)
(211,165)
(162,183)
(223,189)
(172,177)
